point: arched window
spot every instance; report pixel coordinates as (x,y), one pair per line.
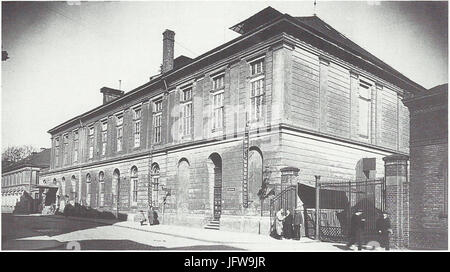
(101,188)
(63,186)
(88,190)
(182,190)
(134,185)
(73,187)
(115,187)
(155,185)
(255,178)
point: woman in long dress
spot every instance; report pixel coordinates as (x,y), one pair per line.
(279,222)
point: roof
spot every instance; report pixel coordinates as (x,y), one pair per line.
(439,88)
(36,159)
(312,29)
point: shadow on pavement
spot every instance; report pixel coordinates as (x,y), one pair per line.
(25,226)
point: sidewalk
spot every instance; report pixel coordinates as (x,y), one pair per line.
(244,241)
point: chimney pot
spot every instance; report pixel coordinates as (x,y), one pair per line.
(168,50)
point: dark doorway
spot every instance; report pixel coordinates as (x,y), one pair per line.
(217,160)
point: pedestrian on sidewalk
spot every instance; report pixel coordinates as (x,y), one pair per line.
(298,221)
(150,216)
(383,225)
(279,217)
(287,225)
(356,229)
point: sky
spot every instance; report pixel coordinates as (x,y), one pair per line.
(62,53)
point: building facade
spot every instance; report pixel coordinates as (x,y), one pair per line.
(19,181)
(197,140)
(428,194)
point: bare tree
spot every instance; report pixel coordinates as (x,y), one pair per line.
(17,153)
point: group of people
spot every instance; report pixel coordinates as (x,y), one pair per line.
(152,216)
(287,225)
(357,223)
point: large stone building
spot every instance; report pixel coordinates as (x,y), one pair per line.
(20,181)
(428,188)
(307,96)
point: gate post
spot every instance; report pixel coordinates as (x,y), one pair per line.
(396,175)
(317,236)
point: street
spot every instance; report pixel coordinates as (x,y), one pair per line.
(37,232)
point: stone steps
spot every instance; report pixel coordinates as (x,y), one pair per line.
(213,224)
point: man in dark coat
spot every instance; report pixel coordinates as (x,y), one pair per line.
(356,229)
(384,229)
(298,220)
(287,225)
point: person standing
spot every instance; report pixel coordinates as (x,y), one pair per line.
(279,223)
(383,225)
(298,221)
(356,229)
(287,225)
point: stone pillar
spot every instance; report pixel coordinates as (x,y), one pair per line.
(396,175)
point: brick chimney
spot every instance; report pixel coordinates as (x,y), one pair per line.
(110,94)
(168,50)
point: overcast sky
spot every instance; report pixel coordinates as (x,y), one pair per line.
(61,53)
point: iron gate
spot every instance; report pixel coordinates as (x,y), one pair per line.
(285,199)
(338,201)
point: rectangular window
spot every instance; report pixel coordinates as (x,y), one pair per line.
(66,148)
(137,126)
(102,193)
(364,109)
(119,129)
(134,191)
(56,151)
(218,82)
(257,85)
(257,99)
(257,67)
(217,115)
(157,116)
(91,141)
(104,136)
(186,111)
(75,146)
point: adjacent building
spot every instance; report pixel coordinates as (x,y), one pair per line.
(428,196)
(19,181)
(197,140)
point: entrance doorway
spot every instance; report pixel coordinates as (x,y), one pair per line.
(217,198)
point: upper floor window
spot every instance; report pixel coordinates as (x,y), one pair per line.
(137,126)
(186,94)
(217,115)
(56,150)
(257,67)
(257,93)
(66,148)
(75,145)
(364,109)
(91,141)
(218,82)
(186,111)
(104,136)
(119,131)
(157,117)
